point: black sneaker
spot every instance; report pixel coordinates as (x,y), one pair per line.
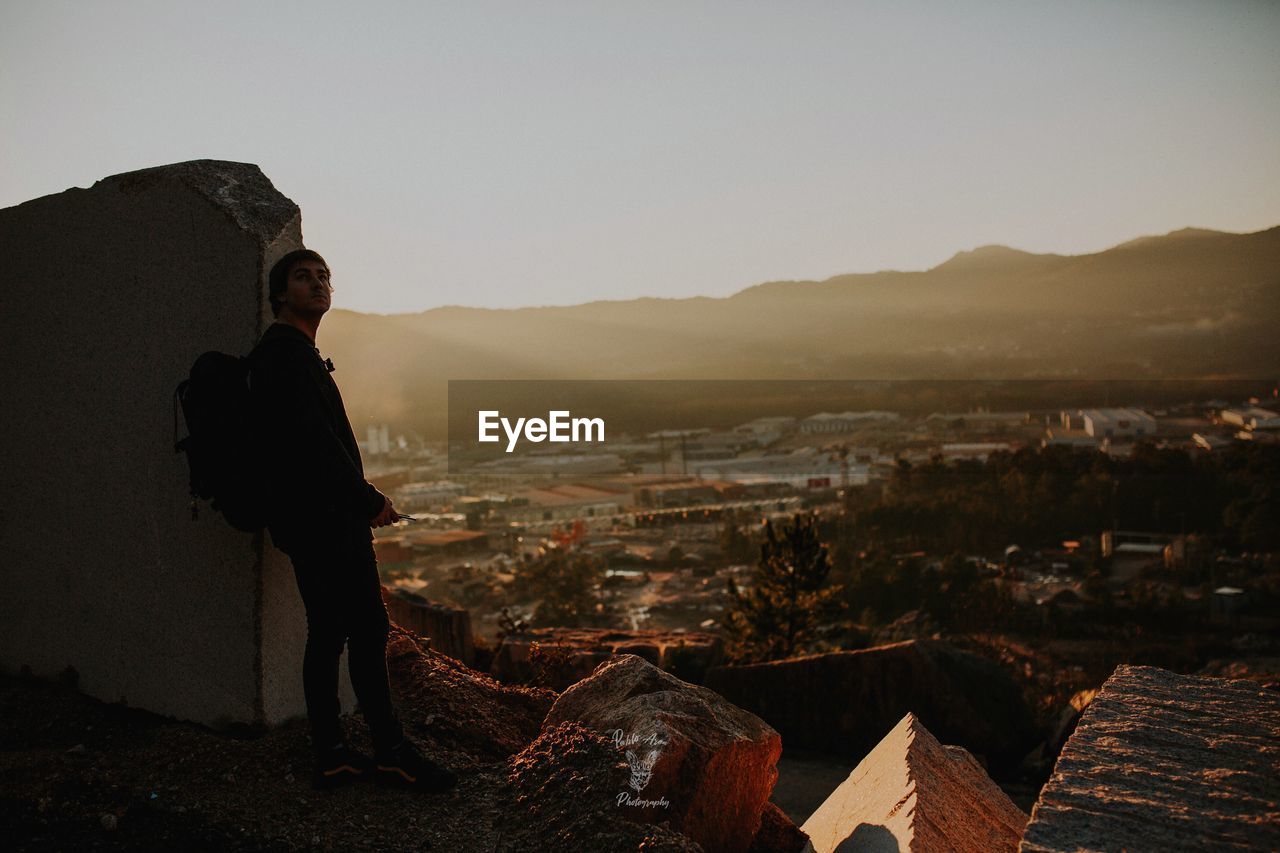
(406,767)
(339,766)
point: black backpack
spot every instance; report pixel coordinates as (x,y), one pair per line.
(222,452)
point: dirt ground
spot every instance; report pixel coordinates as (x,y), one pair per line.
(78,774)
(82,775)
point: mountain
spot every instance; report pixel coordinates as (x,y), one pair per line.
(1192,303)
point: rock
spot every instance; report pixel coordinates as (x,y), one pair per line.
(777,833)
(449,628)
(912,625)
(229,595)
(695,760)
(843,702)
(561,797)
(109,822)
(1165,762)
(913,794)
(687,655)
(462,711)
(1041,759)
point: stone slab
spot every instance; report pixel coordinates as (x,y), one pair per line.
(1167,762)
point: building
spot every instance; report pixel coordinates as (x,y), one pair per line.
(804,469)
(982,418)
(1116,423)
(978,450)
(1251,418)
(564,502)
(448,542)
(429,495)
(830,422)
(1067,437)
(378,440)
(1210,442)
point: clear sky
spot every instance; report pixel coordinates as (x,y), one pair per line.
(532,153)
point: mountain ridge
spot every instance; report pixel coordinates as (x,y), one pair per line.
(991,253)
(1189,305)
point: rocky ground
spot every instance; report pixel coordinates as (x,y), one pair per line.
(78,774)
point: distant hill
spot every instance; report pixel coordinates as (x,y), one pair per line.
(1192,303)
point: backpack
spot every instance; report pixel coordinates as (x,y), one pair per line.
(222,451)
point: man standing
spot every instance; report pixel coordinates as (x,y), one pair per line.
(320,512)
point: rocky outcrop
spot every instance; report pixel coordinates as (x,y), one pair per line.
(686,655)
(110,293)
(1039,762)
(1165,762)
(460,712)
(696,761)
(561,790)
(843,702)
(777,833)
(913,794)
(448,628)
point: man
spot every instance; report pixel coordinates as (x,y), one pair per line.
(320,512)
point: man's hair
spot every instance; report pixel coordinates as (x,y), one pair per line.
(278,279)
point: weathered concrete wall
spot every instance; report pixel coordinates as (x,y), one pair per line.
(1165,762)
(109,295)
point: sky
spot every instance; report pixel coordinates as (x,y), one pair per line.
(507,154)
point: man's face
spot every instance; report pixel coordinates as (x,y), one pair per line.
(308,290)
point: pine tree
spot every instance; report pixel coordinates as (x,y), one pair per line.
(790,598)
(566,582)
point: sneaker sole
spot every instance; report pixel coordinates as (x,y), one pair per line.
(398,777)
(337,777)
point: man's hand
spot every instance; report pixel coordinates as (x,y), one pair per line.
(389,514)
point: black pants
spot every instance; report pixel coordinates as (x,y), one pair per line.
(337,575)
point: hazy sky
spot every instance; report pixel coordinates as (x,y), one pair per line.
(527,153)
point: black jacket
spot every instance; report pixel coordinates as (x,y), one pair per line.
(314,476)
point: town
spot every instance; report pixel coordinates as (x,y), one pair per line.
(1105,524)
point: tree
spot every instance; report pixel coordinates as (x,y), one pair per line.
(566,583)
(789,599)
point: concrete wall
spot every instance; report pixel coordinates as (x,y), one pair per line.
(109,294)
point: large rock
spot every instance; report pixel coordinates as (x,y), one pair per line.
(686,655)
(913,794)
(1165,762)
(778,833)
(560,797)
(843,702)
(696,760)
(109,295)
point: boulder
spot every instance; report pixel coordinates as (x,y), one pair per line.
(913,795)
(1165,762)
(843,702)
(696,761)
(777,833)
(687,655)
(558,795)
(912,625)
(1039,762)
